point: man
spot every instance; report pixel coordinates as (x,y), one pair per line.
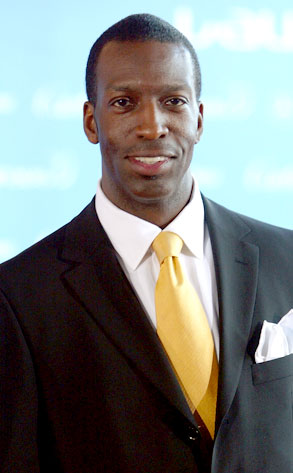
(86,384)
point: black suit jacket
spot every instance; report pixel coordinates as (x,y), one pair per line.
(85,384)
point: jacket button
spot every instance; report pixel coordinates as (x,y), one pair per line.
(193,434)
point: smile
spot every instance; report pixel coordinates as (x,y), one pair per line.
(150,160)
(149,165)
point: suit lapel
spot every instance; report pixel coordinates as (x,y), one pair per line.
(94,271)
(236,264)
(96,280)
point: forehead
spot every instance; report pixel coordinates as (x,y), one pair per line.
(148,62)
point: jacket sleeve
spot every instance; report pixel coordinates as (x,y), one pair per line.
(18,397)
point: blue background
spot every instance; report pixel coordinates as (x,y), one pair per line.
(48,169)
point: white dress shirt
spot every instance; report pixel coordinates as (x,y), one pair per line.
(132,238)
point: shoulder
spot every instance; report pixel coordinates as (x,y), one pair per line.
(230,220)
(273,244)
(46,255)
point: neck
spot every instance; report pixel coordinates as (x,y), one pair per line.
(159,212)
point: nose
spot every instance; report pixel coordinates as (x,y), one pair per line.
(151,124)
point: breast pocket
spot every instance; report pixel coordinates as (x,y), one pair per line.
(272,370)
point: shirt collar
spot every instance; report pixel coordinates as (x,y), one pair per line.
(132,236)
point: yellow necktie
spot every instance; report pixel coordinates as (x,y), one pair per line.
(184,331)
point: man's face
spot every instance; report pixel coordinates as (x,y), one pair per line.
(147,120)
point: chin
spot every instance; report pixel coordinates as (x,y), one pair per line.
(156,192)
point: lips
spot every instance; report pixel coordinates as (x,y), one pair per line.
(149,159)
(149,165)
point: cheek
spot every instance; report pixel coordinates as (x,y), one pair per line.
(187,128)
(112,131)
(190,138)
(112,155)
(108,137)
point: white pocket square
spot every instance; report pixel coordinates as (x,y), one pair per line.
(276,340)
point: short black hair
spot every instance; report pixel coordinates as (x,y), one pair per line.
(139,27)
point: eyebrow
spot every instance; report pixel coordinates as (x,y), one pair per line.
(166,88)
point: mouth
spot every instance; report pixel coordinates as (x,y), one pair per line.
(149,165)
(150,159)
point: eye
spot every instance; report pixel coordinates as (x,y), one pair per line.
(122,103)
(175,101)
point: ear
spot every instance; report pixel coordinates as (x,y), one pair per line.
(199,122)
(89,123)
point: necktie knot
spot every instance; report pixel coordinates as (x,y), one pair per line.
(167,244)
